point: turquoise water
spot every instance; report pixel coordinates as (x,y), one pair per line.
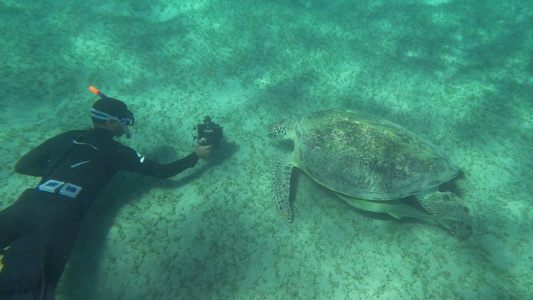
(458,73)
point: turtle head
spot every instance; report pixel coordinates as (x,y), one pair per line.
(281,129)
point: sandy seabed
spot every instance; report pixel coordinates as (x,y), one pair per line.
(456,74)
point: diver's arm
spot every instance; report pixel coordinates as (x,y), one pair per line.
(35,162)
(152,168)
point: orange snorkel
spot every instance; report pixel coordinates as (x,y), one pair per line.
(97,92)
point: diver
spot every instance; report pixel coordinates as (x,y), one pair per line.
(37,231)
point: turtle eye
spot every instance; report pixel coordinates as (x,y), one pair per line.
(280,131)
(271,131)
(277,130)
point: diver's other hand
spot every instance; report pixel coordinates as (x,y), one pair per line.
(203,151)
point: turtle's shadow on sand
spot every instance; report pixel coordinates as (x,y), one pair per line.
(411,200)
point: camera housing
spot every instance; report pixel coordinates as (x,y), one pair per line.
(210,131)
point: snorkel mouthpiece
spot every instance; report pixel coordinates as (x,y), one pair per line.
(126,131)
(125,122)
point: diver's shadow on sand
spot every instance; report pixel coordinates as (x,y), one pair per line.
(81,274)
(218,156)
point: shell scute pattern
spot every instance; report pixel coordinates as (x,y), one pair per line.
(365,156)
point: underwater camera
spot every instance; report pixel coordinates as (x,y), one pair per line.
(211,132)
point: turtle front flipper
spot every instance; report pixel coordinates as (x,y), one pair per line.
(449,212)
(281,186)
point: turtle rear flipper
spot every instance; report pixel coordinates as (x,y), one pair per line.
(281,186)
(449,212)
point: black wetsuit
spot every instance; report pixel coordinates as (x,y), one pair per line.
(87,159)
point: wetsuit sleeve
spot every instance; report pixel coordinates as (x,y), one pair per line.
(152,168)
(35,162)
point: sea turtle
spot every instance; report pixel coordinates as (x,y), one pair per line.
(372,164)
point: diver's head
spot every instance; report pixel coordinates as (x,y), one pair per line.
(113,115)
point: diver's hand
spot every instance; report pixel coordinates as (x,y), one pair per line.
(202,151)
